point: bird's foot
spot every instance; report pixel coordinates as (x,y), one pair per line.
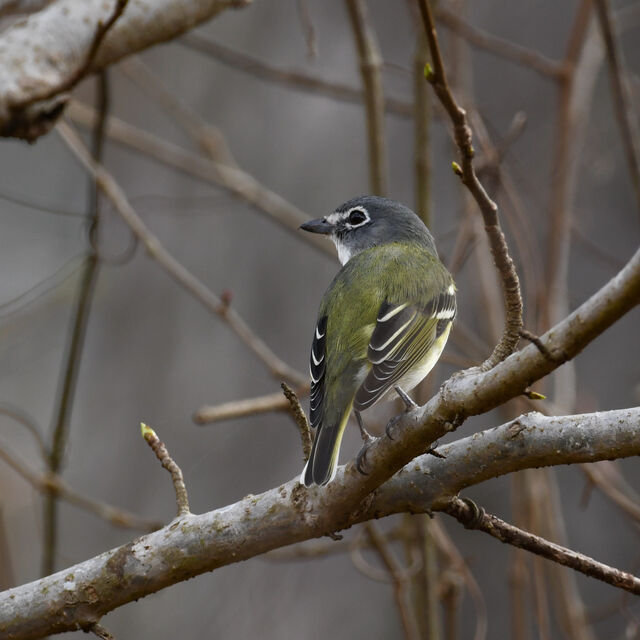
(391,425)
(364,434)
(361,458)
(368,439)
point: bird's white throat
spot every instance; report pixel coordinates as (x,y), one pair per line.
(344,252)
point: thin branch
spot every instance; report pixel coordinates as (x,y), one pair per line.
(371,74)
(7,576)
(158,447)
(247,407)
(99,631)
(54,483)
(399,579)
(300,419)
(208,138)
(500,47)
(29,423)
(509,278)
(309,31)
(42,288)
(457,561)
(174,268)
(621,98)
(422,131)
(71,367)
(474,518)
(288,78)
(607,478)
(235,180)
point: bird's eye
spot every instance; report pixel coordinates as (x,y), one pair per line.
(357,217)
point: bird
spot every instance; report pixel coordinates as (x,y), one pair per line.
(382,323)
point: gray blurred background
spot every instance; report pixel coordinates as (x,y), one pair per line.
(154,354)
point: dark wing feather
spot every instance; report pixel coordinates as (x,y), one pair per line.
(401,339)
(317,366)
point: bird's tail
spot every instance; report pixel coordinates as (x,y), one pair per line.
(323,461)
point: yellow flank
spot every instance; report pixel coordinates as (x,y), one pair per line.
(338,442)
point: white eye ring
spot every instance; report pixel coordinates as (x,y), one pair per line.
(359,209)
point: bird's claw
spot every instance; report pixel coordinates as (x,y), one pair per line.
(390,427)
(361,458)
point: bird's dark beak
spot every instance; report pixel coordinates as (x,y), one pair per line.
(318,226)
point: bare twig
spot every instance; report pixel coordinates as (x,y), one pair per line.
(247,407)
(569,604)
(425,585)
(457,562)
(498,46)
(621,98)
(207,137)
(294,79)
(370,72)
(474,518)
(235,180)
(422,133)
(55,484)
(90,272)
(7,578)
(29,423)
(101,632)
(159,448)
(509,278)
(300,419)
(174,268)
(607,478)
(399,578)
(304,15)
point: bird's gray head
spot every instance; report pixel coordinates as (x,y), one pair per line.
(369,221)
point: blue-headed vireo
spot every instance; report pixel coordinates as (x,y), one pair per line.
(383,321)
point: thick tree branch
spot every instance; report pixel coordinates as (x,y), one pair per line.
(193,544)
(39,55)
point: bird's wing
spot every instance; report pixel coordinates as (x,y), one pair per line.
(317,367)
(401,339)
